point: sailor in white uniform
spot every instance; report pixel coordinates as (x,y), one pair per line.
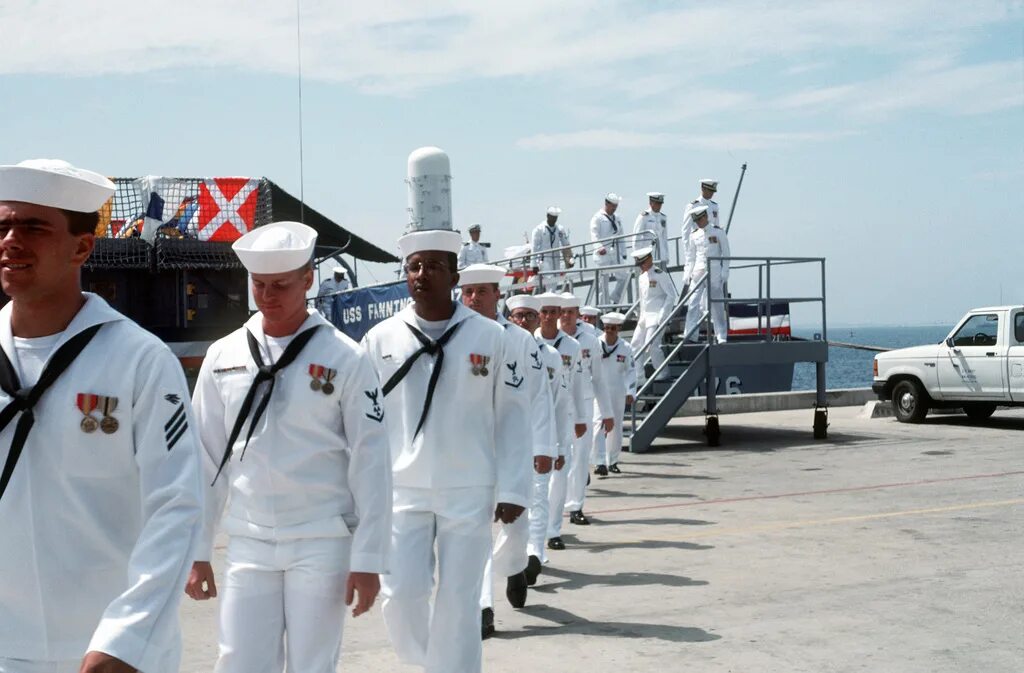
(525,312)
(619,373)
(655,223)
(707,241)
(657,300)
(580,411)
(549,235)
(290,414)
(472,251)
(605,224)
(452,391)
(481,292)
(100,490)
(597,402)
(708,187)
(338,282)
(590,317)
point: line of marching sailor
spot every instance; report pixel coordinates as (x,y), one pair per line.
(337,470)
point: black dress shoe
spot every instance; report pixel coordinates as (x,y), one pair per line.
(486,623)
(556,543)
(533,570)
(614,467)
(601,471)
(579,518)
(515,590)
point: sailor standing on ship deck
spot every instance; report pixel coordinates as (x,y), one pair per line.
(655,222)
(452,392)
(329,288)
(473,251)
(657,300)
(606,224)
(708,188)
(100,493)
(707,241)
(290,414)
(481,293)
(549,235)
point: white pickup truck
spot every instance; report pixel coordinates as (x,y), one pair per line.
(978,367)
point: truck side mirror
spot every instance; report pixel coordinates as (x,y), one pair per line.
(949,341)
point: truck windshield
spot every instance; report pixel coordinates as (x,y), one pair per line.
(979,330)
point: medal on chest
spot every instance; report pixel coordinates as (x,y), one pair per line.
(478,364)
(86,404)
(322,378)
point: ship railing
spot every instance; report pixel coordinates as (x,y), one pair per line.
(765,299)
(584,271)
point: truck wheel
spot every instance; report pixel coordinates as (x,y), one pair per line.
(979,411)
(909,402)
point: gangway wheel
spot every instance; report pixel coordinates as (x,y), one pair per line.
(821,422)
(712,431)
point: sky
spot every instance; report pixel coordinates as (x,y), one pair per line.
(886,137)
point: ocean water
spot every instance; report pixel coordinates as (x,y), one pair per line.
(851,368)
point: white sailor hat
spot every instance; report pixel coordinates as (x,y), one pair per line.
(522,301)
(657,197)
(697,212)
(710,184)
(590,310)
(613,318)
(339,270)
(55,184)
(474,227)
(612,197)
(479,274)
(554,211)
(641,254)
(276,248)
(444,240)
(549,299)
(569,300)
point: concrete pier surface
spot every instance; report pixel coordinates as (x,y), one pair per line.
(885,548)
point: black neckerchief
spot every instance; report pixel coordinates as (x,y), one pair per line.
(263,374)
(430,347)
(25,399)
(605,353)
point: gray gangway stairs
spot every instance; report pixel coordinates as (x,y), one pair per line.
(688,365)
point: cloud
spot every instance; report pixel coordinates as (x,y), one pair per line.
(608,139)
(921,85)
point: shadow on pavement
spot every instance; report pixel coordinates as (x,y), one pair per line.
(595,547)
(576,580)
(565,622)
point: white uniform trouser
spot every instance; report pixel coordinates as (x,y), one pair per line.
(554,281)
(698,305)
(576,486)
(443,637)
(556,495)
(608,294)
(508,557)
(640,339)
(274,590)
(27,666)
(539,516)
(607,447)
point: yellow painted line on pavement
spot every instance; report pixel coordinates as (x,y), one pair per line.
(847,519)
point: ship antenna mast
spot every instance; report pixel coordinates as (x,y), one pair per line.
(298,41)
